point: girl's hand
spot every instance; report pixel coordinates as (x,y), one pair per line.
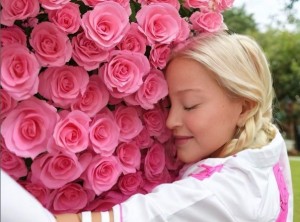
(68,217)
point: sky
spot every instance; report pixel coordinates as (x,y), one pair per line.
(263,10)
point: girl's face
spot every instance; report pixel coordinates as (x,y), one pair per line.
(202,116)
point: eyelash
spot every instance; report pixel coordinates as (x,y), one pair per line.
(190,108)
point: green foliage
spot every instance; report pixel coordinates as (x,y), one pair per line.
(295,168)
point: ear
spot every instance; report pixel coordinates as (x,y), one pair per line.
(247,107)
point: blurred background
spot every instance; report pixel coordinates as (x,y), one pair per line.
(276,26)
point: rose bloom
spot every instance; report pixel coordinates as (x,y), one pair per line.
(130,157)
(106,24)
(130,184)
(27,129)
(104,133)
(134,40)
(7,104)
(206,21)
(129,122)
(63,85)
(13,34)
(159,55)
(71,131)
(143,140)
(174,3)
(102,174)
(155,121)
(124,3)
(94,98)
(19,71)
(87,53)
(200,4)
(51,45)
(18,10)
(123,74)
(224,4)
(66,18)
(53,4)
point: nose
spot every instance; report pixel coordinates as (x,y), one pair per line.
(173,119)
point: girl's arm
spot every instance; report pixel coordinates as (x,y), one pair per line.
(96,217)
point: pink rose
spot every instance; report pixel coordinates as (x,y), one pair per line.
(174,3)
(154,121)
(200,4)
(18,10)
(12,164)
(19,71)
(27,129)
(56,170)
(63,85)
(7,104)
(153,89)
(161,23)
(129,122)
(172,163)
(124,3)
(102,174)
(134,40)
(13,34)
(206,21)
(130,157)
(53,4)
(87,53)
(71,132)
(66,18)
(143,140)
(123,74)
(104,133)
(51,45)
(159,55)
(224,4)
(106,24)
(130,184)
(94,99)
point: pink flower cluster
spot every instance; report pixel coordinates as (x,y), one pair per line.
(83,95)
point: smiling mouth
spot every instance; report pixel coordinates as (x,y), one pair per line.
(181,140)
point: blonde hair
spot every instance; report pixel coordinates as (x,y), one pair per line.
(241,68)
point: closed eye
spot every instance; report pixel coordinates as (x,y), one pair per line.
(190,108)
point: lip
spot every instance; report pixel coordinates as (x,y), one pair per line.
(181,140)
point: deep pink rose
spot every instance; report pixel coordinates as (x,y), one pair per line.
(174,3)
(66,18)
(106,24)
(159,55)
(123,74)
(87,53)
(160,22)
(130,184)
(134,40)
(154,121)
(7,104)
(130,157)
(56,170)
(53,4)
(104,133)
(12,164)
(153,89)
(206,21)
(129,122)
(102,173)
(172,163)
(13,10)
(19,71)
(71,132)
(63,85)
(13,34)
(51,45)
(27,129)
(94,99)
(143,140)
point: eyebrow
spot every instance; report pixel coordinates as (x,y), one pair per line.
(181,91)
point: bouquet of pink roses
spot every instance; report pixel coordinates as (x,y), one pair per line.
(83,95)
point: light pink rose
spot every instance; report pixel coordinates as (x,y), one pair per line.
(160,22)
(104,133)
(102,174)
(143,140)
(123,74)
(94,99)
(53,4)
(56,170)
(87,53)
(13,34)
(27,129)
(129,122)
(106,24)
(200,4)
(130,157)
(18,10)
(51,45)
(206,21)
(12,164)
(134,40)
(159,55)
(63,85)
(71,132)
(66,18)
(224,4)
(19,71)
(7,104)
(131,183)
(153,89)
(174,3)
